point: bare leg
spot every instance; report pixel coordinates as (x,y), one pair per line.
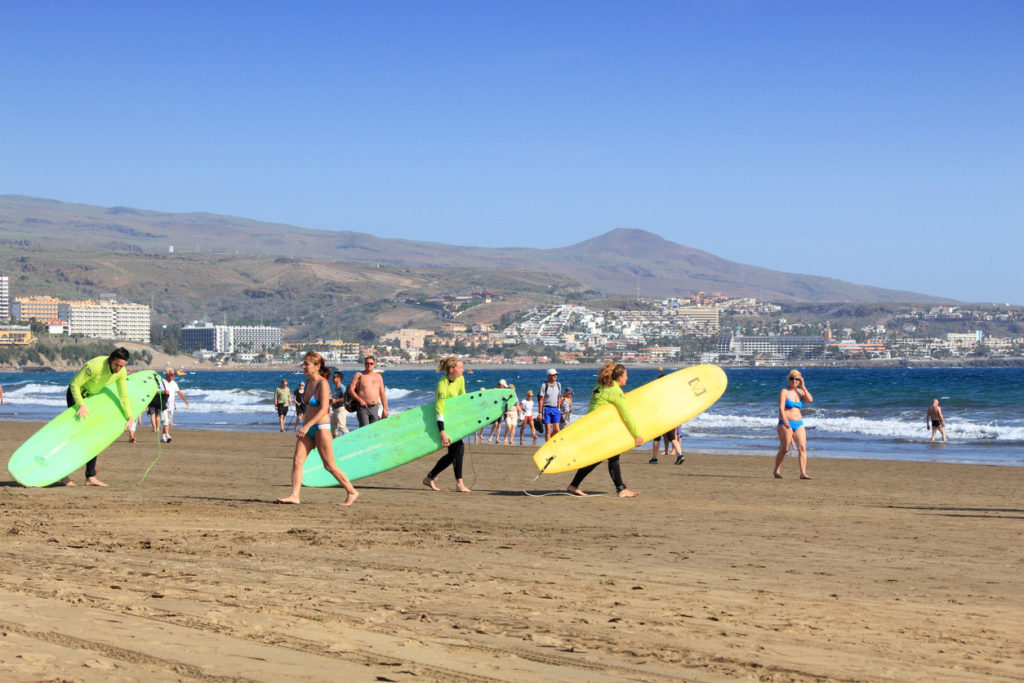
(785,440)
(302,447)
(325,448)
(800,438)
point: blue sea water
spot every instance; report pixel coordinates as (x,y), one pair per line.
(857,413)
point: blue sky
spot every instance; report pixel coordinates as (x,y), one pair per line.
(875,142)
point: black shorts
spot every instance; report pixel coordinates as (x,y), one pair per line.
(936,423)
(282,409)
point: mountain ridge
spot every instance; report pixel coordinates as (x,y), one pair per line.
(618,262)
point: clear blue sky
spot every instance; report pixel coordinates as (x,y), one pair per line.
(879,142)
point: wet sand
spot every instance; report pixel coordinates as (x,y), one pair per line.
(872,571)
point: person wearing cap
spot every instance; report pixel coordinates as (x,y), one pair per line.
(547,401)
(168,390)
(791,428)
(299,398)
(565,408)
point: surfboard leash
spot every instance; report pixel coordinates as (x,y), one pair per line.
(159,452)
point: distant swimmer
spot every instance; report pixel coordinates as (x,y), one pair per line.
(367,388)
(315,430)
(608,389)
(791,423)
(451,385)
(90,380)
(937,422)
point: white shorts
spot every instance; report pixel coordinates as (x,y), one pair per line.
(167,417)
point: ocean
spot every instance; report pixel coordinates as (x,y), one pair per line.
(857,413)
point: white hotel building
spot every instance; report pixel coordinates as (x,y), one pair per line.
(106,320)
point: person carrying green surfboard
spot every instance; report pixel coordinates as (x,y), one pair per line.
(94,375)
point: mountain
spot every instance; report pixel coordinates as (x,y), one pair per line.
(622,261)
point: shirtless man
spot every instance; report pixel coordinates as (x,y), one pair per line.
(934,416)
(367,388)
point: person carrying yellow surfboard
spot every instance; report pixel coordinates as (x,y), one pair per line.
(90,380)
(608,389)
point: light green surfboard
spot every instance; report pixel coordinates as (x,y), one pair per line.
(402,438)
(67,442)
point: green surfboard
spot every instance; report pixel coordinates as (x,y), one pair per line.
(67,442)
(402,438)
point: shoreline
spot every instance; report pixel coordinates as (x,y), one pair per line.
(432,365)
(872,571)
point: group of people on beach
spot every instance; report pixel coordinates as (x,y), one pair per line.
(325,402)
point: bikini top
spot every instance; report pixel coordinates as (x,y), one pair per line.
(794,404)
(313,401)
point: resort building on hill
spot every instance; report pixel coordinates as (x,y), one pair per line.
(5,297)
(205,336)
(106,319)
(35,308)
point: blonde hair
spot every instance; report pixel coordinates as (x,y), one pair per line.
(793,374)
(447,364)
(610,372)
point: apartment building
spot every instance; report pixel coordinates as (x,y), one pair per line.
(5,297)
(41,308)
(106,319)
(202,335)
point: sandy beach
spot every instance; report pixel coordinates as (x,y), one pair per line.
(872,571)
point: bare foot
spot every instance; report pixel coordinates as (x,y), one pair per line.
(351,497)
(626,493)
(93,481)
(776,475)
(68,482)
(131,438)
(804,476)
(290,500)
(576,491)
(429,483)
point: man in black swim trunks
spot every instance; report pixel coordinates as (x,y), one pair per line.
(934,416)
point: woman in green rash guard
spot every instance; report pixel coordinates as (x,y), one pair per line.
(608,389)
(94,375)
(451,385)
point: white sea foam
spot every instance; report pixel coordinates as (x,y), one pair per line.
(963,430)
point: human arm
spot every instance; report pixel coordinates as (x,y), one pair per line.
(323,407)
(182,397)
(801,390)
(352,389)
(383,399)
(782,408)
(618,399)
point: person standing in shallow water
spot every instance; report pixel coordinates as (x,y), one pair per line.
(451,385)
(791,428)
(608,389)
(315,430)
(937,422)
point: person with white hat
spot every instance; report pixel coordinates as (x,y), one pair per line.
(547,401)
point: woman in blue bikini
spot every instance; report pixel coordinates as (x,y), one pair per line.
(316,430)
(791,422)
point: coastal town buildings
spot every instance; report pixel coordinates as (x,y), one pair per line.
(41,308)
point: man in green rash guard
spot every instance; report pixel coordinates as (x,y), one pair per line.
(94,375)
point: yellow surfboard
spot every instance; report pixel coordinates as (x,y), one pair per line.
(657,407)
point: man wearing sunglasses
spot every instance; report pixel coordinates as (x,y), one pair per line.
(367,388)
